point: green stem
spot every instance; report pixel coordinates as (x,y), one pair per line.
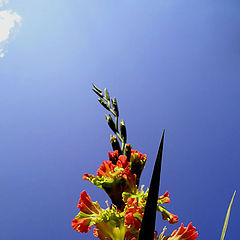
(122,233)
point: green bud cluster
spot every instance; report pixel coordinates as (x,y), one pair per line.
(119,129)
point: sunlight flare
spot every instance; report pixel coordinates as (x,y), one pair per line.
(9,20)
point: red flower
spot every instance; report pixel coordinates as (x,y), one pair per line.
(164,198)
(132,221)
(105,169)
(184,233)
(139,155)
(122,161)
(130,179)
(81,225)
(133,215)
(87,176)
(173,219)
(137,162)
(113,156)
(170,217)
(86,205)
(130,236)
(131,201)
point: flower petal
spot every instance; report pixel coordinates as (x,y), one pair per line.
(184,233)
(81,225)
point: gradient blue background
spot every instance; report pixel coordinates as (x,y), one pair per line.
(172,64)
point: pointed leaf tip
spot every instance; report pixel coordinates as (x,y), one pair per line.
(149,217)
(227,217)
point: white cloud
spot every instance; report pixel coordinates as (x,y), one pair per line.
(2,2)
(9,20)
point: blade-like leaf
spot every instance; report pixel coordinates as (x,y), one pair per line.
(149,217)
(227,218)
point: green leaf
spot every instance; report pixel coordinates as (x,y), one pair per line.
(227,218)
(149,217)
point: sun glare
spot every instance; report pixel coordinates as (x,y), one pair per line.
(9,20)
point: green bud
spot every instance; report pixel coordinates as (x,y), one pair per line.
(106,94)
(96,88)
(98,93)
(128,149)
(115,144)
(103,103)
(110,122)
(115,106)
(123,131)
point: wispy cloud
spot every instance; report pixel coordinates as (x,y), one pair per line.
(9,20)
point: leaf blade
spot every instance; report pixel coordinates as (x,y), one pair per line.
(227,218)
(149,217)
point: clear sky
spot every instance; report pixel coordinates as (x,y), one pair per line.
(172,64)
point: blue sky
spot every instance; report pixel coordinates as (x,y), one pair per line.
(171,64)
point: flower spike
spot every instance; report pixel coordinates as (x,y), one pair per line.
(111,105)
(149,217)
(132,212)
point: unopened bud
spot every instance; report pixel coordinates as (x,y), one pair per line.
(98,93)
(115,106)
(123,131)
(110,122)
(106,94)
(103,103)
(98,89)
(115,144)
(128,149)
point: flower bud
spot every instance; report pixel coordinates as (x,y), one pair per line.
(98,93)
(123,131)
(115,143)
(137,163)
(113,156)
(115,106)
(106,94)
(128,149)
(110,122)
(96,88)
(103,103)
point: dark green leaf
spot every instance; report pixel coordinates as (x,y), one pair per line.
(149,217)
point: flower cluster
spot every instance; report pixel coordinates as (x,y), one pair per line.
(119,177)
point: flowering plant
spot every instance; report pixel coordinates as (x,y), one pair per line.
(132,214)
